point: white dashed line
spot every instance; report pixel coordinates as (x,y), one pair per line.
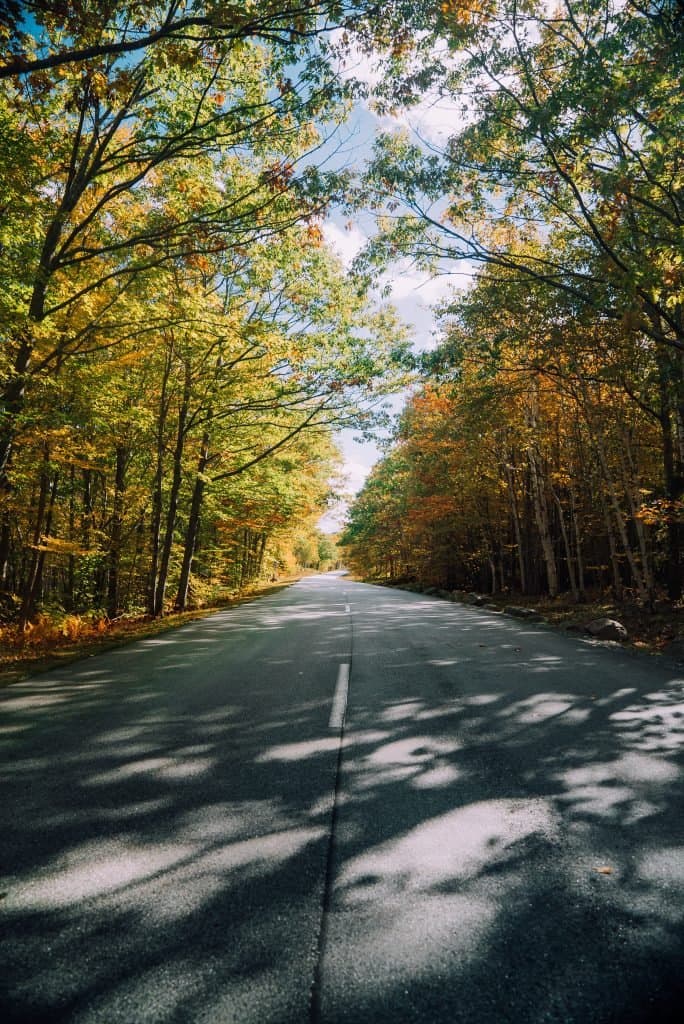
(339,704)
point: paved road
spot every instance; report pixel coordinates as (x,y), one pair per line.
(204,827)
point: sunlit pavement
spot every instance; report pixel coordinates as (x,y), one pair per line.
(194,829)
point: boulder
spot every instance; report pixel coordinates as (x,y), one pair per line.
(476,599)
(531,614)
(607,629)
(515,610)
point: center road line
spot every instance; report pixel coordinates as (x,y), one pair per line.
(339,704)
(337,716)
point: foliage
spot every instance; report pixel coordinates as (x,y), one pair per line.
(546,448)
(178,343)
(535,460)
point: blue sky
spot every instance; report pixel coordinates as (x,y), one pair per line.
(413,293)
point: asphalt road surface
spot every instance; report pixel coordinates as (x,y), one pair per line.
(342,803)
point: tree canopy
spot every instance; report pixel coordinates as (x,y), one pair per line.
(173,324)
(560,372)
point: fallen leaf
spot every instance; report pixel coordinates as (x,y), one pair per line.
(605,869)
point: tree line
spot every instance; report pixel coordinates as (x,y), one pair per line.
(178,343)
(544,449)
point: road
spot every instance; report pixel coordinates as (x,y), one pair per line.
(343,803)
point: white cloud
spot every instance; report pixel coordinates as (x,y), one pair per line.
(407,282)
(434,119)
(355,474)
(347,243)
(356,65)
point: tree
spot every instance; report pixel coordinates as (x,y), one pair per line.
(571,139)
(564,178)
(77,33)
(528,460)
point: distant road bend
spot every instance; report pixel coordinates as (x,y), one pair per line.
(344,803)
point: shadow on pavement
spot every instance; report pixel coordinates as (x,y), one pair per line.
(508,846)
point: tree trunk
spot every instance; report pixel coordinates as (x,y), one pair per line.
(566,545)
(631,479)
(157,489)
(12,404)
(42,528)
(637,575)
(612,548)
(515,515)
(598,446)
(192,531)
(116,533)
(261,553)
(5,547)
(541,515)
(88,510)
(578,543)
(172,509)
(673,493)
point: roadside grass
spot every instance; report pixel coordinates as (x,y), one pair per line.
(51,644)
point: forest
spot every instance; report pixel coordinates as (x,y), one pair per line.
(180,345)
(542,451)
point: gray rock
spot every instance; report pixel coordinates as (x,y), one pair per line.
(476,599)
(523,613)
(607,629)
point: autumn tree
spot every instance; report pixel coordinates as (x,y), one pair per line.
(530,456)
(162,207)
(563,176)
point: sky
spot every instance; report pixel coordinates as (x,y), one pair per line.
(413,293)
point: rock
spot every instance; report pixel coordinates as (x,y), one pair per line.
(492,608)
(476,599)
(513,609)
(431,591)
(607,629)
(457,595)
(531,614)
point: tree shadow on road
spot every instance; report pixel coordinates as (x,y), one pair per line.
(508,842)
